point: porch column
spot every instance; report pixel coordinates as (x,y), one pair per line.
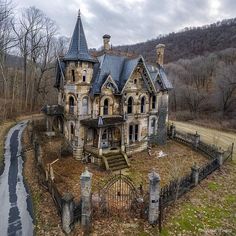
(99,142)
(122,138)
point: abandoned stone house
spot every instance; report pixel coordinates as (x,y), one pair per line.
(109,106)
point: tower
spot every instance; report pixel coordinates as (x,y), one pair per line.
(78,75)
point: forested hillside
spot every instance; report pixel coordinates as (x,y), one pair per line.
(204,87)
(190,42)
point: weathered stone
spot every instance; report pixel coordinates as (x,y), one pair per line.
(195,174)
(67,212)
(85,180)
(154,195)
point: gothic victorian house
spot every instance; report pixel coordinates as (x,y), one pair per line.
(110,106)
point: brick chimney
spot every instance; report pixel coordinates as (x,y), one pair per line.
(106,42)
(160,48)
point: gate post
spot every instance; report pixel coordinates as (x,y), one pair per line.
(196,140)
(85,180)
(220,157)
(67,215)
(195,174)
(154,195)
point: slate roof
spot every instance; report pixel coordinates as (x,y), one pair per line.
(159,77)
(120,68)
(78,49)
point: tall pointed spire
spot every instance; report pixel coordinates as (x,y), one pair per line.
(78,49)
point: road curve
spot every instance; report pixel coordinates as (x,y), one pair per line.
(16,214)
(211,136)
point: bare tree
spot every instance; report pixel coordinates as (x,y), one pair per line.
(226,82)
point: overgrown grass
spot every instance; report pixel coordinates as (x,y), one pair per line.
(4,128)
(210,208)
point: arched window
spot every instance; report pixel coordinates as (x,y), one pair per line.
(84,75)
(154,98)
(71,104)
(85,105)
(130,105)
(135,81)
(143,103)
(106,107)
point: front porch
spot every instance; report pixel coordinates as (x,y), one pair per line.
(104,139)
(104,135)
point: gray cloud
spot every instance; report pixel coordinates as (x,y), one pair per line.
(132,21)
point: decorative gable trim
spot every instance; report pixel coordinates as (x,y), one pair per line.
(110,83)
(145,75)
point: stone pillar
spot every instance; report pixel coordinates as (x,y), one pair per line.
(38,152)
(195,174)
(196,140)
(172,131)
(154,195)
(67,212)
(85,181)
(220,157)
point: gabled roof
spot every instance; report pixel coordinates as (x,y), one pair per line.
(78,49)
(120,69)
(159,78)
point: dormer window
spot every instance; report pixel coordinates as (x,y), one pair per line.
(106,107)
(84,76)
(73,75)
(135,81)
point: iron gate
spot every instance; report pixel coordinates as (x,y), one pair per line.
(118,196)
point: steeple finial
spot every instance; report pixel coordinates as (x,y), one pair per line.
(79,13)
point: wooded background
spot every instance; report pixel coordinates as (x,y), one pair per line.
(200,62)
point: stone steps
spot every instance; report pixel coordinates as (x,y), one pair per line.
(116,161)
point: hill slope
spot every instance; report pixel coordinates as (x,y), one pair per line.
(189,42)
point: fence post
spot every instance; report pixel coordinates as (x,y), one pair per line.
(67,212)
(196,140)
(195,174)
(154,195)
(220,157)
(172,130)
(85,180)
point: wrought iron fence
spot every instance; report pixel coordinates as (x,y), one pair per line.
(185,138)
(175,189)
(208,169)
(209,150)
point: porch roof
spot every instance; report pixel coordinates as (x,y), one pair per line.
(107,121)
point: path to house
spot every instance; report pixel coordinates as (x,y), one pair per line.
(211,136)
(16,214)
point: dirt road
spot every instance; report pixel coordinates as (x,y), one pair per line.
(211,136)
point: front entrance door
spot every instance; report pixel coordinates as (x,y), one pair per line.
(111,137)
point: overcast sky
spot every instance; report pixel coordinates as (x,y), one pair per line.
(131,21)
